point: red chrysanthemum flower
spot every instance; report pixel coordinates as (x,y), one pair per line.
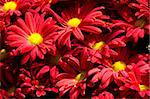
(139,29)
(109,74)
(136,82)
(33,37)
(79,19)
(35,80)
(143,8)
(13,6)
(102,46)
(138,23)
(140,64)
(112,68)
(135,30)
(136,76)
(93,49)
(75,74)
(31,84)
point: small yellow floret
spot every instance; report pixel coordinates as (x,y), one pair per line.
(143,87)
(80,76)
(140,23)
(74,22)
(99,45)
(50,1)
(2,51)
(3,54)
(35,38)
(9,6)
(118,66)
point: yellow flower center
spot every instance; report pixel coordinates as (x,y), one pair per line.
(80,76)
(50,1)
(118,66)
(140,23)
(99,45)
(2,51)
(9,6)
(3,54)
(143,87)
(35,38)
(11,90)
(74,22)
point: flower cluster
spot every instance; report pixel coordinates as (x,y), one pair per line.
(74,49)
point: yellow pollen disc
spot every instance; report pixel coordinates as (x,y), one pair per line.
(2,51)
(118,66)
(143,87)
(80,76)
(3,54)
(99,45)
(9,6)
(35,39)
(140,23)
(50,1)
(74,22)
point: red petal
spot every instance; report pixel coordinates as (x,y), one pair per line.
(63,38)
(15,38)
(96,77)
(18,30)
(74,94)
(39,53)
(63,76)
(104,85)
(131,32)
(25,59)
(39,20)
(26,48)
(33,54)
(72,61)
(78,34)
(91,29)
(40,93)
(94,14)
(16,43)
(23,26)
(107,76)
(25,85)
(103,72)
(83,61)
(61,20)
(29,21)
(141,33)
(54,72)
(42,71)
(92,71)
(54,90)
(64,82)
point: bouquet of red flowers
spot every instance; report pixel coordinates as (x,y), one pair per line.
(74,49)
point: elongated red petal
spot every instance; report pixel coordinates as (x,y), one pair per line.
(91,29)
(78,34)
(42,71)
